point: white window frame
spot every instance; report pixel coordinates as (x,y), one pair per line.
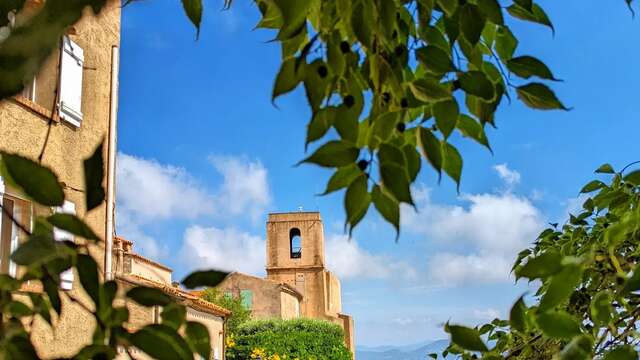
(66,277)
(13,268)
(70,87)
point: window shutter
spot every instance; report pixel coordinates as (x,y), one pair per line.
(66,277)
(71,82)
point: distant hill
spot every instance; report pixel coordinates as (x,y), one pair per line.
(408,352)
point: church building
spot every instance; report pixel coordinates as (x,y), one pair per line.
(298,283)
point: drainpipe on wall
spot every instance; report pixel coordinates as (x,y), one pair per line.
(111,164)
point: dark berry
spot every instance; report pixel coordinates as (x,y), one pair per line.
(619,280)
(456,84)
(362,164)
(394,34)
(345,47)
(349,101)
(399,50)
(401,126)
(404,103)
(386,97)
(322,71)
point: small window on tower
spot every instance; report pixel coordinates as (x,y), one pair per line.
(296,243)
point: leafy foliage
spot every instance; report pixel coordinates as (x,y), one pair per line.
(587,304)
(295,339)
(239,313)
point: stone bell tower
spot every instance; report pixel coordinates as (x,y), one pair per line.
(295,255)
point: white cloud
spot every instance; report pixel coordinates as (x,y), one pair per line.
(486,314)
(245,189)
(226,249)
(492,228)
(510,177)
(149,190)
(349,261)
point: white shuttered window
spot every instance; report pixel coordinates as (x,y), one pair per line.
(71,82)
(66,277)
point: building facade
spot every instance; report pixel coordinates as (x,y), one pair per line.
(295,265)
(71,106)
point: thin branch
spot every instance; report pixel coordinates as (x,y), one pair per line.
(13,220)
(54,106)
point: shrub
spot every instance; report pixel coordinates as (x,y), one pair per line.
(289,339)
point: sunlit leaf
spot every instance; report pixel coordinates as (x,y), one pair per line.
(539,96)
(428,90)
(452,162)
(543,265)
(605,169)
(356,201)
(342,178)
(161,342)
(517,315)
(601,308)
(561,286)
(193,9)
(558,324)
(387,207)
(334,153)
(431,148)
(466,338)
(287,79)
(446,115)
(71,223)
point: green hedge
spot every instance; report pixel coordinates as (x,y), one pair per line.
(303,339)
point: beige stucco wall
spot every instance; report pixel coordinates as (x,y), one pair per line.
(23,131)
(150,271)
(215,325)
(289,306)
(332,294)
(266,294)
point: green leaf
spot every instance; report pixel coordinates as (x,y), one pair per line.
(539,96)
(93,177)
(395,180)
(93,351)
(578,349)
(51,289)
(334,153)
(492,10)
(517,315)
(387,207)
(633,283)
(413,161)
(88,272)
(558,325)
(592,186)
(18,309)
(197,336)
(536,14)
(435,59)
(390,154)
(362,23)
(161,342)
(623,352)
(147,296)
(527,4)
(466,338)
(605,169)
(561,286)
(428,90)
(633,177)
(601,308)
(193,9)
(528,66)
(431,148)
(452,162)
(173,315)
(472,22)
(71,223)
(476,83)
(35,180)
(294,14)
(39,249)
(472,129)
(346,124)
(287,79)
(356,201)
(208,278)
(506,43)
(446,115)
(342,178)
(546,264)
(320,123)
(449,6)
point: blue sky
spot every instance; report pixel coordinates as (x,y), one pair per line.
(204,156)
